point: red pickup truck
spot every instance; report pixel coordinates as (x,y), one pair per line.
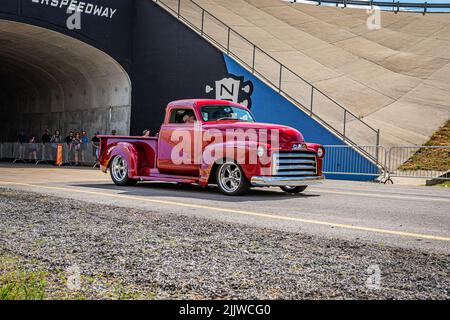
(215,142)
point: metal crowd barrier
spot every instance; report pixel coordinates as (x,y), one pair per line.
(428,162)
(349,159)
(38,153)
(398,161)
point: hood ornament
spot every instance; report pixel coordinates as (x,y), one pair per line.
(299,146)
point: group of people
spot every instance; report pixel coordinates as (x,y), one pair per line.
(76,142)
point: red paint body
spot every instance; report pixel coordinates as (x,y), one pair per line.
(149,158)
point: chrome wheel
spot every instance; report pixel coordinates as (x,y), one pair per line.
(119,169)
(230,177)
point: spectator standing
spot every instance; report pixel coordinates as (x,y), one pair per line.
(46,137)
(76,147)
(21,139)
(84,145)
(95,145)
(84,137)
(32,149)
(69,138)
(56,138)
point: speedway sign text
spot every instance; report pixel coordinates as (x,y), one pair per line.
(79,6)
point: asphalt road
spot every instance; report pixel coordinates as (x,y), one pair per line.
(393,215)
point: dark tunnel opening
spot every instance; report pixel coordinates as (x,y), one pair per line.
(49,80)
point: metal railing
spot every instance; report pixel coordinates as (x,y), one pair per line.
(349,160)
(38,153)
(394,6)
(337,118)
(397,161)
(428,162)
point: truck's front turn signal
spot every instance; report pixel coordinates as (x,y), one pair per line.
(261,151)
(320,152)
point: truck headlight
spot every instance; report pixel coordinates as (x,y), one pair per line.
(261,151)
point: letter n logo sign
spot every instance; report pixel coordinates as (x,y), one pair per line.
(232,88)
(228,89)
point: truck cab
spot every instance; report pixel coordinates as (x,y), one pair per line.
(215,142)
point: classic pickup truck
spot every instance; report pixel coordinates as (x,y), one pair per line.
(214,142)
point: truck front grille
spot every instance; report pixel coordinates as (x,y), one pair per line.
(294,163)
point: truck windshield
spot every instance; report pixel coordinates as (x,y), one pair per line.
(217,113)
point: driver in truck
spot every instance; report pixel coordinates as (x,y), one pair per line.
(189,118)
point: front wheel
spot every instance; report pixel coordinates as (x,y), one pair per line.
(119,172)
(231,179)
(294,189)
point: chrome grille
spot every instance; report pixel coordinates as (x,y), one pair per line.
(294,163)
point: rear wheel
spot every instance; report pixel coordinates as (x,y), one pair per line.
(119,172)
(231,179)
(294,189)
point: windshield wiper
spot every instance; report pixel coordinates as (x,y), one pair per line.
(220,119)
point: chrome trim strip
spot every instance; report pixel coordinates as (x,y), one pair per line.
(297,155)
(296,163)
(304,161)
(296,173)
(266,181)
(296,167)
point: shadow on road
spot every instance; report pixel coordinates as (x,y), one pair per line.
(158,189)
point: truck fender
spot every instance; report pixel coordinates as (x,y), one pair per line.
(229,148)
(127,151)
(315,147)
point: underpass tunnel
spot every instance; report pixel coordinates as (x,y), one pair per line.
(50,80)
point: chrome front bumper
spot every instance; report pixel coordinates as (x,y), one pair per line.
(267,181)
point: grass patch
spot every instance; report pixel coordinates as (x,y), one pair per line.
(432,159)
(27,280)
(445,184)
(18,284)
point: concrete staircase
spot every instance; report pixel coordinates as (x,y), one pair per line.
(395,78)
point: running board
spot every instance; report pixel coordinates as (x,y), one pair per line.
(170,178)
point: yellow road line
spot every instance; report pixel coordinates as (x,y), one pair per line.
(382,195)
(241,212)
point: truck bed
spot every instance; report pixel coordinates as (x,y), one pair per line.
(146,150)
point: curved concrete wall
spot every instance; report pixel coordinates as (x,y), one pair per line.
(49,80)
(396,78)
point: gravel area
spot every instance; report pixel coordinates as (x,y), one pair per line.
(174,256)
